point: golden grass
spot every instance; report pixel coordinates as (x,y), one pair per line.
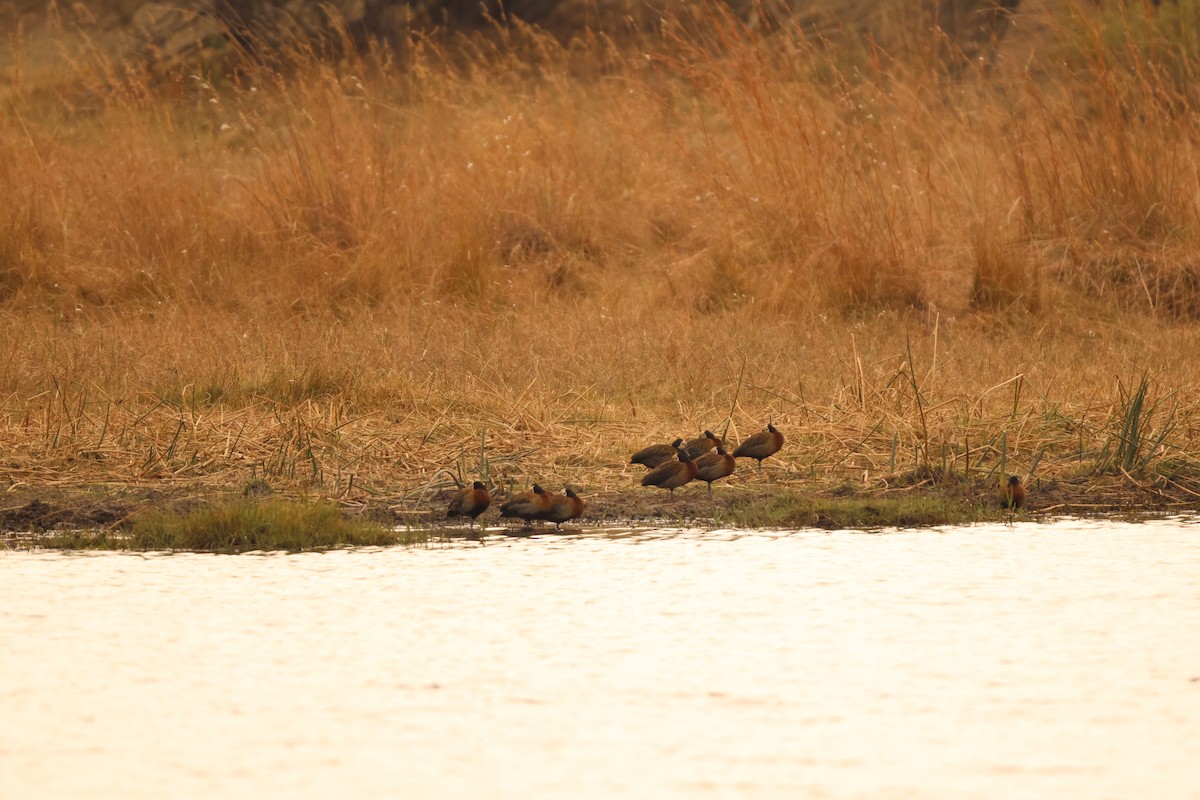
(345,278)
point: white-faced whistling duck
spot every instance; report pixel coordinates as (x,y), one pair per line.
(714,466)
(672,474)
(656,454)
(470,502)
(564,507)
(1012,494)
(528,505)
(760,445)
(698,447)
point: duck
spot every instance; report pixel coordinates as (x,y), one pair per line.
(1012,493)
(528,506)
(564,507)
(714,466)
(761,445)
(656,454)
(701,445)
(672,474)
(470,502)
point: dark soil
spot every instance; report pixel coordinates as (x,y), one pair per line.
(34,510)
(30,509)
(41,515)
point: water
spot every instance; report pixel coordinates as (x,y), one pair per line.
(1052,661)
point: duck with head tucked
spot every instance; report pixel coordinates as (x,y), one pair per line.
(564,507)
(470,502)
(714,466)
(656,454)
(531,505)
(672,474)
(761,445)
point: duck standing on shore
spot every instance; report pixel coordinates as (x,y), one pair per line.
(528,506)
(564,507)
(672,474)
(714,466)
(470,502)
(1012,494)
(761,445)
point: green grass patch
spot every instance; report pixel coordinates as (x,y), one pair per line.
(238,527)
(796,510)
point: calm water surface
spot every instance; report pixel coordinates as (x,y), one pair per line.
(1039,661)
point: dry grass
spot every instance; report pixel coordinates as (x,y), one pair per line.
(343,279)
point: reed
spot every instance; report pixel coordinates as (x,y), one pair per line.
(1135,442)
(516,258)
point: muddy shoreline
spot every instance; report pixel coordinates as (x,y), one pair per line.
(31,509)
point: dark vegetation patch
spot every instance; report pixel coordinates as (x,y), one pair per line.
(38,515)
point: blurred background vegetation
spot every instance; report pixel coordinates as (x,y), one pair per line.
(177,29)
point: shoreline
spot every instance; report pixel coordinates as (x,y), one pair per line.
(29,514)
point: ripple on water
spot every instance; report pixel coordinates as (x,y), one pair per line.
(1051,660)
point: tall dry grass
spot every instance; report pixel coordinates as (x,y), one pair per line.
(343,274)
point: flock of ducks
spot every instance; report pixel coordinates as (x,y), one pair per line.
(673,465)
(535,505)
(670,466)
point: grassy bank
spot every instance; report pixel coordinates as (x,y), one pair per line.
(129,518)
(234,527)
(522,260)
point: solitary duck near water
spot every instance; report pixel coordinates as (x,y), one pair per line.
(699,446)
(656,454)
(714,466)
(528,505)
(672,474)
(761,445)
(470,502)
(564,507)
(1012,494)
